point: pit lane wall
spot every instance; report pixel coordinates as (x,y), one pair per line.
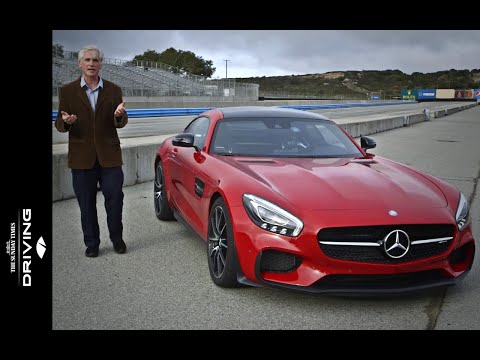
(138,158)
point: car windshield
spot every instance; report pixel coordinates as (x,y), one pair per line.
(281,137)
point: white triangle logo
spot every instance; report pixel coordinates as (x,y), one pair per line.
(41,247)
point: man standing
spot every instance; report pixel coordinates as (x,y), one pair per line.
(91,109)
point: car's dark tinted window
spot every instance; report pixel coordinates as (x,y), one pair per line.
(198,128)
(281,137)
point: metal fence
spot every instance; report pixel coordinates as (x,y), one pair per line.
(313,96)
(148,79)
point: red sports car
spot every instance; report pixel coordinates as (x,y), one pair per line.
(286,198)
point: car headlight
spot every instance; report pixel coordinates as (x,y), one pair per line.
(462,213)
(271,217)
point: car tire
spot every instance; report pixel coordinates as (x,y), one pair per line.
(163,211)
(221,251)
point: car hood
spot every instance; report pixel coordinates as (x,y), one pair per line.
(335,184)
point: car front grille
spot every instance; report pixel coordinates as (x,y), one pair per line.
(359,237)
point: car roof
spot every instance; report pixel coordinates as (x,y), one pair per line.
(266,111)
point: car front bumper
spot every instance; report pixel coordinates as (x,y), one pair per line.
(318,273)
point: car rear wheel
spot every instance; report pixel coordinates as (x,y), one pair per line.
(163,211)
(222,255)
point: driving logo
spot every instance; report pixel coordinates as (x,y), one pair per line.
(41,247)
(396,244)
(23,244)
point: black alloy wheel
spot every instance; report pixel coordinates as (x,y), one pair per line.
(222,255)
(163,210)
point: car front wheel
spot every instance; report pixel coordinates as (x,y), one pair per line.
(222,256)
(163,211)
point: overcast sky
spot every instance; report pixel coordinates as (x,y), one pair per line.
(254,53)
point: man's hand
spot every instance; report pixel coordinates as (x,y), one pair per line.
(69,119)
(120,110)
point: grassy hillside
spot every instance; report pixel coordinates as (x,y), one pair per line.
(358,84)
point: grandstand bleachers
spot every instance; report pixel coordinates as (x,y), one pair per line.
(150,79)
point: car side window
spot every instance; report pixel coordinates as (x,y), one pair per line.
(199,128)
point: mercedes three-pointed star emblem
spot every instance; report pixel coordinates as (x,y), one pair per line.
(396,244)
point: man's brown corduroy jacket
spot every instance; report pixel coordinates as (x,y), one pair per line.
(93,133)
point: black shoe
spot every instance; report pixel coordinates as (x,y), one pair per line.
(91,252)
(120,247)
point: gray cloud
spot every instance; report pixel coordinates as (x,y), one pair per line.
(285,52)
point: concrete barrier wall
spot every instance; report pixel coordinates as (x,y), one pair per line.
(138,166)
(357,129)
(61,178)
(452,111)
(416,118)
(139,159)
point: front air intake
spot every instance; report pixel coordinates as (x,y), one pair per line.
(278,261)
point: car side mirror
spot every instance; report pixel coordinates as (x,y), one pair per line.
(184,140)
(367,143)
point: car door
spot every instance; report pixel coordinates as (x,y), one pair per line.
(187,176)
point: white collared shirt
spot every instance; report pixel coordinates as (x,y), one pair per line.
(92,94)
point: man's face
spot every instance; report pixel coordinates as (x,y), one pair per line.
(90,64)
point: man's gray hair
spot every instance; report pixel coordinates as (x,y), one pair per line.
(82,52)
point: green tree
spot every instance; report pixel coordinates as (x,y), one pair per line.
(170,57)
(57,50)
(180,61)
(149,55)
